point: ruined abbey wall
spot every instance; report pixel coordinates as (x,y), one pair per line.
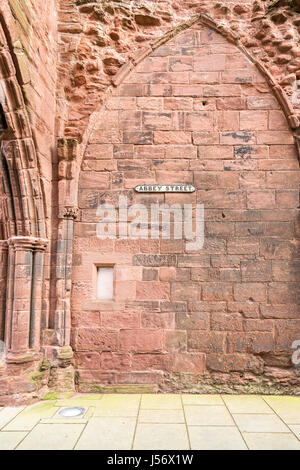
(99,96)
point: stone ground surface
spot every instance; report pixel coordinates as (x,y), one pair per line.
(166,422)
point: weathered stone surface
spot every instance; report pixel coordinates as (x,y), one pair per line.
(217,307)
(135,93)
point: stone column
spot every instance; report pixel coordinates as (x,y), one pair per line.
(37,295)
(67,150)
(64,275)
(56,341)
(3,281)
(24,285)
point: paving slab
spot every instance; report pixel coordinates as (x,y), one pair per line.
(216,438)
(188,399)
(8,414)
(155,421)
(296,429)
(288,408)
(257,423)
(271,441)
(80,400)
(118,405)
(246,404)
(30,416)
(207,415)
(161,402)
(161,416)
(161,437)
(64,421)
(52,437)
(107,433)
(10,440)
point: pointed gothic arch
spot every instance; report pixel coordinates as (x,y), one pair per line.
(99,125)
(220,27)
(22,214)
(17,145)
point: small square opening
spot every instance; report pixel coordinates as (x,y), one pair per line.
(105,282)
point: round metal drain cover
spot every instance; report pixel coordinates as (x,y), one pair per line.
(74,412)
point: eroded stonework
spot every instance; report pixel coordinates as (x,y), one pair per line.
(103,36)
(107,95)
(195,111)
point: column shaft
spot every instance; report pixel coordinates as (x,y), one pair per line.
(24,295)
(3,283)
(64,281)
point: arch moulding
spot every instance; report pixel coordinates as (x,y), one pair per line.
(293,118)
(26,238)
(18,147)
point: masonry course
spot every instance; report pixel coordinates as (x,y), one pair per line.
(111,95)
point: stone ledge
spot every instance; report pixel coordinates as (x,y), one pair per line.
(12,358)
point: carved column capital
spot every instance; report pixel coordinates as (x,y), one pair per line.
(69,212)
(27,243)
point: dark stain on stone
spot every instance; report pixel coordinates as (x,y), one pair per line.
(245,136)
(243,151)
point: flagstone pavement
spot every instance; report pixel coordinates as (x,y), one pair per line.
(155,422)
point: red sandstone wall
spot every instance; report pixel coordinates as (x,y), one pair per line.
(32,34)
(30,31)
(196,111)
(209,325)
(97,38)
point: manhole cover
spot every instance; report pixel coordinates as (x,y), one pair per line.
(74,412)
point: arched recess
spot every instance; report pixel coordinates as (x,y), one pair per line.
(18,148)
(24,229)
(6,219)
(220,27)
(84,287)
